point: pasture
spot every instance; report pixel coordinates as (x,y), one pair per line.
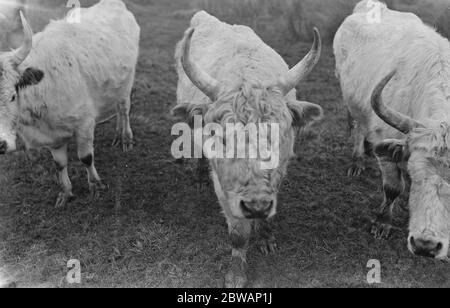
(155,228)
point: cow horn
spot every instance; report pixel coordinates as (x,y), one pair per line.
(395,119)
(22,53)
(299,72)
(201,79)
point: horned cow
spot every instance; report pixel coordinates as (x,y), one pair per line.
(227,74)
(406,116)
(63,81)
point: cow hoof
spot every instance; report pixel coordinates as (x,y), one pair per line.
(235,281)
(202,187)
(381,231)
(355,170)
(63,199)
(127,146)
(268,246)
(96,189)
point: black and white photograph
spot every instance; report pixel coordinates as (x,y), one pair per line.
(205,146)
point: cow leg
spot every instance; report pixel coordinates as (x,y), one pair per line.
(127,133)
(124,134)
(85,143)
(393,187)
(358,162)
(239,230)
(118,134)
(266,240)
(61,159)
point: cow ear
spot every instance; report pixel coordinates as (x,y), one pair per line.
(393,150)
(304,113)
(187,112)
(31,76)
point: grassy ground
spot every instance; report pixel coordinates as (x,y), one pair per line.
(154,229)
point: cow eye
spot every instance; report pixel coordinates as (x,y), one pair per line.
(13,98)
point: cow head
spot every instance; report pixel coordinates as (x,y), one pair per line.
(12,79)
(426,151)
(245,188)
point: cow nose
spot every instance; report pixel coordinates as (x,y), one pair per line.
(257,209)
(3,147)
(426,248)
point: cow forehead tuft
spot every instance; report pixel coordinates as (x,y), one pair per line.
(251,103)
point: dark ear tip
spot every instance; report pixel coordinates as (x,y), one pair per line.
(381,149)
(315,112)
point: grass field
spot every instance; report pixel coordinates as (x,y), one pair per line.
(154,229)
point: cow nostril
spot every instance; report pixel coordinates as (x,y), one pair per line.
(3,147)
(412,241)
(245,208)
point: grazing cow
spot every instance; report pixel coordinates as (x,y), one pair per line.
(63,81)
(410,128)
(227,74)
(10,22)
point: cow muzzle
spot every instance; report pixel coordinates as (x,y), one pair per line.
(258,209)
(428,247)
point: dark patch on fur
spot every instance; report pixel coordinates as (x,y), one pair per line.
(36,113)
(88,160)
(59,167)
(391,193)
(394,152)
(238,241)
(31,76)
(368,148)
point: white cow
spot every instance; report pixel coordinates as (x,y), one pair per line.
(65,80)
(227,74)
(410,128)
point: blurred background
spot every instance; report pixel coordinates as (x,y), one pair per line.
(293,19)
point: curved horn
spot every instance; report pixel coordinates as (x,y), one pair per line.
(201,79)
(299,72)
(22,53)
(394,118)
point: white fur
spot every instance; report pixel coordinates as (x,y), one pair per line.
(89,67)
(365,54)
(233,55)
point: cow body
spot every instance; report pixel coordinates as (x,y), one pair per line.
(75,76)
(418,92)
(227,74)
